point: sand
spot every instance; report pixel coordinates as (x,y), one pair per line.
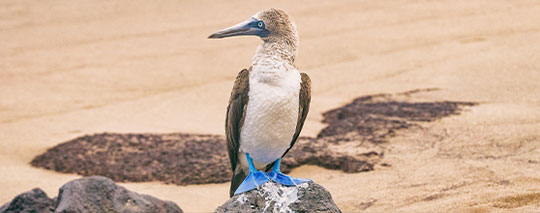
(70,68)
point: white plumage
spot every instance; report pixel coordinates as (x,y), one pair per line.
(272,110)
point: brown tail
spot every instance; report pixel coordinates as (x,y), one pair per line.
(237,179)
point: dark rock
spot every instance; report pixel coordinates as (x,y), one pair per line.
(31,201)
(273,197)
(100,194)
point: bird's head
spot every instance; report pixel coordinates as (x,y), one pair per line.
(271,25)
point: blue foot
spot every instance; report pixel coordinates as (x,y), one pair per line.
(283,179)
(253,180)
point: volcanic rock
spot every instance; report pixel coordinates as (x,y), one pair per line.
(100,194)
(32,201)
(274,197)
(89,194)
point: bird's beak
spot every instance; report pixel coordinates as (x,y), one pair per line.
(247,27)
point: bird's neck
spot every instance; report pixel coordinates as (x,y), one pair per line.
(277,51)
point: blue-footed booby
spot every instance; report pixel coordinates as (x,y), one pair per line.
(268,105)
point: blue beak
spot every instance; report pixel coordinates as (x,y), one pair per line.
(252,26)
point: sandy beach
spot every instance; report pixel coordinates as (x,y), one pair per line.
(70,68)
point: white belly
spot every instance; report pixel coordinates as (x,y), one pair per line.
(271,116)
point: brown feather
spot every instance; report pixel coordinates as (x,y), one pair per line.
(235,114)
(233,124)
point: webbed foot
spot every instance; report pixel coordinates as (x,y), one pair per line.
(278,177)
(253,180)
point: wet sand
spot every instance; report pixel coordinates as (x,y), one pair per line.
(70,68)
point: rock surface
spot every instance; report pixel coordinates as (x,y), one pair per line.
(273,197)
(32,201)
(100,194)
(89,194)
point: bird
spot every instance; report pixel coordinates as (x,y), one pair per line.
(269,102)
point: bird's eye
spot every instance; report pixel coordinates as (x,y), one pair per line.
(260,24)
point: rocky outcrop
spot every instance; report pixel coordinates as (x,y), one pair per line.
(32,201)
(100,194)
(273,197)
(90,194)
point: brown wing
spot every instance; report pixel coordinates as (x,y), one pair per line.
(236,114)
(305,99)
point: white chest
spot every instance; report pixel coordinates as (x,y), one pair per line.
(271,114)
